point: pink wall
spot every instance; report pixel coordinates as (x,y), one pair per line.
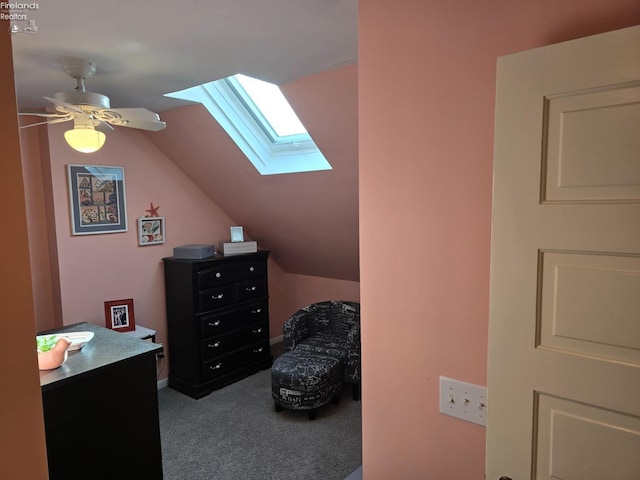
(41,224)
(22,437)
(302,290)
(426,103)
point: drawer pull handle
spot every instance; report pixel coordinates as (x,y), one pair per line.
(254,312)
(214,324)
(217,297)
(259,330)
(217,366)
(218,274)
(258,350)
(251,289)
(251,269)
(213,345)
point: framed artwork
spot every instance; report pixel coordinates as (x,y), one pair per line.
(150,230)
(97,199)
(119,315)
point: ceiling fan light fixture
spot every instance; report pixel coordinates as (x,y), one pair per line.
(85,138)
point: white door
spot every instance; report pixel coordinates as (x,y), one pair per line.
(564,328)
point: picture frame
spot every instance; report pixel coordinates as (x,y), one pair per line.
(237,234)
(97,199)
(119,315)
(151,230)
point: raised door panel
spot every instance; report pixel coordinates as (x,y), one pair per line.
(591,136)
(585,442)
(590,305)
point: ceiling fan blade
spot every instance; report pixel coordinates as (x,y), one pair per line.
(45,114)
(49,122)
(131,117)
(150,125)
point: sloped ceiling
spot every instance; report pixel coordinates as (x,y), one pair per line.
(309,221)
(147,48)
(144,49)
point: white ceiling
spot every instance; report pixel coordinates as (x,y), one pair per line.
(146,48)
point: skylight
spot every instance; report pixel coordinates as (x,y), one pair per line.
(259,119)
(270,101)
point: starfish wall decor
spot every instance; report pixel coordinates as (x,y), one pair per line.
(153,211)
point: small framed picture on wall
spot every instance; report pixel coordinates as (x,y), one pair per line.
(119,315)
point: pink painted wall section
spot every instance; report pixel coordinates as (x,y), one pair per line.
(40,221)
(22,437)
(306,289)
(426,110)
(301,290)
(97,268)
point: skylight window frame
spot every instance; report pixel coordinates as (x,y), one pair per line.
(261,121)
(288,154)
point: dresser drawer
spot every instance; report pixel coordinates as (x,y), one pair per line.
(215,298)
(251,289)
(221,274)
(249,269)
(219,344)
(214,324)
(224,364)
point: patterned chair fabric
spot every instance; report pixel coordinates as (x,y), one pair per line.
(329,328)
(305,381)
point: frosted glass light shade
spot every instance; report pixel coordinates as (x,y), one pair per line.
(85,139)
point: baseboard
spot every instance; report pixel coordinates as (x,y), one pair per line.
(277,339)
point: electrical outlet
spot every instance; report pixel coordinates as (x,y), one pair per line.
(462,400)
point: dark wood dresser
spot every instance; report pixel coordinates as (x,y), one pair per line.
(217,320)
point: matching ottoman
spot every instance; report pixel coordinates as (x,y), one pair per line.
(305,381)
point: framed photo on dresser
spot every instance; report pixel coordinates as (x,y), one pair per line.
(119,315)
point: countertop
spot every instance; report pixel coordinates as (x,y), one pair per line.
(106,347)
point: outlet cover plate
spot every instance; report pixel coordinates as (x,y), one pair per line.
(462,400)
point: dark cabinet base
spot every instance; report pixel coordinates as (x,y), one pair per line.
(103,424)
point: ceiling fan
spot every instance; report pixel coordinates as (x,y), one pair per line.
(91,112)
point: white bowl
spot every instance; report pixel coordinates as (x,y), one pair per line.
(77,339)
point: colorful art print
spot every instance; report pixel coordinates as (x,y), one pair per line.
(97,199)
(118,315)
(150,230)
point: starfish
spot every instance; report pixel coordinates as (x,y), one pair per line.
(153,211)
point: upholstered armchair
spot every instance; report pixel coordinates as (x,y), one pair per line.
(330,328)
